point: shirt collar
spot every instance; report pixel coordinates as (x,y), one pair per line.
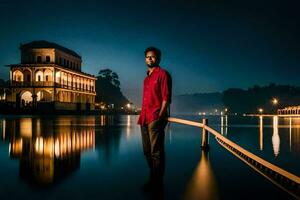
(156,68)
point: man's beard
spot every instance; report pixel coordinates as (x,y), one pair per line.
(152,65)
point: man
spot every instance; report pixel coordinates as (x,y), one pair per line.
(154,113)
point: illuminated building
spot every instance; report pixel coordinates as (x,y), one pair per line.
(291,110)
(49,78)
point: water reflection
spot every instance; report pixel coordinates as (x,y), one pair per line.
(261,133)
(224,124)
(290,134)
(289,128)
(47,153)
(294,133)
(203,184)
(128,127)
(275,136)
(50,148)
(3,123)
(108,136)
(107,120)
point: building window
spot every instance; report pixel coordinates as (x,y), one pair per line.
(67,63)
(46,77)
(39,59)
(28,77)
(64,62)
(39,78)
(60,60)
(47,59)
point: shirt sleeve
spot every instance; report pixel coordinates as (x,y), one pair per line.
(165,87)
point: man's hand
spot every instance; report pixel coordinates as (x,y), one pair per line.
(163,110)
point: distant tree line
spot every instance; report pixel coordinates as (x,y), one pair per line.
(3,84)
(248,101)
(108,89)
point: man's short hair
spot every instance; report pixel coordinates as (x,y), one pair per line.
(156,51)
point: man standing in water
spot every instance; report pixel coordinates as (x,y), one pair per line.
(155,110)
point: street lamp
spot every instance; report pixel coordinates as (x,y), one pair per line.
(260,110)
(275,101)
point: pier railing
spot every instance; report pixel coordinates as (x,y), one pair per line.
(280,177)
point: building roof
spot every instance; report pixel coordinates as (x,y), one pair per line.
(38,44)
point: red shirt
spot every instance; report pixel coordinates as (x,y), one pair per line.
(157,88)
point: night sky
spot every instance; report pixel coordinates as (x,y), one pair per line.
(207,47)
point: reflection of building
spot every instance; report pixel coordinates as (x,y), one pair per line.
(294,133)
(50,77)
(46,156)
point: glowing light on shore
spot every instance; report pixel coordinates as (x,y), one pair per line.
(275,101)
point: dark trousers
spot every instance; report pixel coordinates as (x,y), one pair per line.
(153,136)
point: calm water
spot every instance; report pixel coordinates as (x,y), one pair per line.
(100,157)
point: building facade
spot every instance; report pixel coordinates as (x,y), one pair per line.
(50,77)
(291,110)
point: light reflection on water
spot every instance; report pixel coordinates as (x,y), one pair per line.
(279,127)
(203,184)
(275,136)
(261,133)
(72,150)
(47,154)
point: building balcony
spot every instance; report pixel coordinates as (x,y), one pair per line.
(48,84)
(32,84)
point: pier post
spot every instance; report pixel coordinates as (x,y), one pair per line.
(204,144)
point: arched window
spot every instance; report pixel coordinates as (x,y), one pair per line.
(18,76)
(39,76)
(27,75)
(48,75)
(26,99)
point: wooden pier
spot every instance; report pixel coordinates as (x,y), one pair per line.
(280,177)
